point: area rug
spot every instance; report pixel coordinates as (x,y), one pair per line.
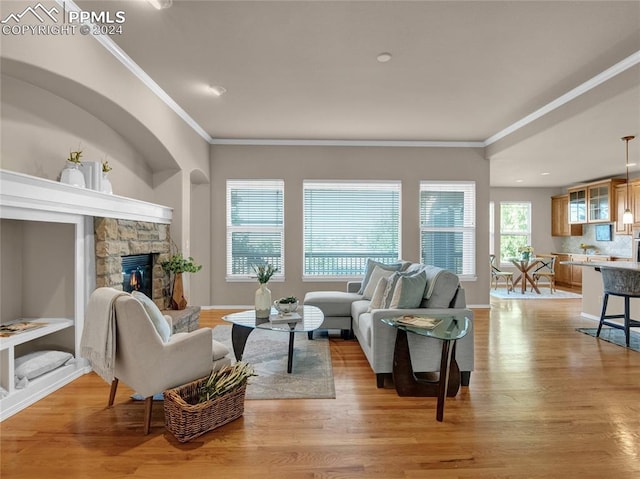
(615,336)
(312,375)
(501,293)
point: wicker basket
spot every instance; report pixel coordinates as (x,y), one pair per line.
(187,421)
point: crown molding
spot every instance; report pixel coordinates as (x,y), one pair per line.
(377,143)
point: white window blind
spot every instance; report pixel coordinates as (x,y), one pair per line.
(448,225)
(347,222)
(255,227)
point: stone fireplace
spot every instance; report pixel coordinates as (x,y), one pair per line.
(118,238)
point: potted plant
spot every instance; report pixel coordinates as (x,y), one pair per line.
(71,175)
(263,294)
(105,184)
(176,265)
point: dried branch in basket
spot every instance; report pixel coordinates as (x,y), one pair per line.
(224,380)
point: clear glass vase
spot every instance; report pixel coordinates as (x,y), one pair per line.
(263,302)
(105,184)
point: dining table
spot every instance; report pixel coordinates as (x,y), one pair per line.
(525,266)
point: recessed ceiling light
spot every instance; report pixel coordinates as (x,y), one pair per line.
(217,90)
(384,57)
(519,181)
(545,173)
(160,4)
(629,165)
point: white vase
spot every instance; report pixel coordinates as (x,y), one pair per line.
(71,175)
(263,302)
(105,184)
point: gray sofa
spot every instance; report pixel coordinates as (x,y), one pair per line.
(351,312)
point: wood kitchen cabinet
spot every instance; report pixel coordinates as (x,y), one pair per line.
(594,202)
(560,225)
(563,271)
(576,271)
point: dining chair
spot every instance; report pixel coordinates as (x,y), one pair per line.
(497,274)
(545,271)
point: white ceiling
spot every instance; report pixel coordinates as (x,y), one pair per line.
(461,71)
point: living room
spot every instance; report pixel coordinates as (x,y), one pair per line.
(66,92)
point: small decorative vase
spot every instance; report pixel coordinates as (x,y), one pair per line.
(105,184)
(71,175)
(178,301)
(263,302)
(525,256)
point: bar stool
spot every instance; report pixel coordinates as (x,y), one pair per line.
(626,284)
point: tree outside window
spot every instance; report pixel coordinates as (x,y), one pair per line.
(515,228)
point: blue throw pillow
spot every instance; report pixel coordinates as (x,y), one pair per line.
(408,290)
(156,316)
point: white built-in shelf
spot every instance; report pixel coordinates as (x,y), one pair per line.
(51,326)
(22,191)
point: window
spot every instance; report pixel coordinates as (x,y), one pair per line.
(448,225)
(515,228)
(347,222)
(255,227)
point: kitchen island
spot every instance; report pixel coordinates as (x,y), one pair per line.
(593,290)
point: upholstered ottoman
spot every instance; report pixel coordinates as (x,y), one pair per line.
(336,307)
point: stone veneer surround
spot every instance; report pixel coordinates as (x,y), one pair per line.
(115,238)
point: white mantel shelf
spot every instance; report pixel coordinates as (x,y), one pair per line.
(22,191)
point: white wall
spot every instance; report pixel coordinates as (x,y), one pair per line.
(295,164)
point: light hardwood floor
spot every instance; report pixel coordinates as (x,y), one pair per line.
(545,402)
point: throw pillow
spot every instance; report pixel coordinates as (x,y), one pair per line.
(371,265)
(408,291)
(35,364)
(377,300)
(154,313)
(377,273)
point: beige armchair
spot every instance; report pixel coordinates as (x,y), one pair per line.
(141,359)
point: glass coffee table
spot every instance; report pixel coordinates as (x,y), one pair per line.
(449,329)
(244,322)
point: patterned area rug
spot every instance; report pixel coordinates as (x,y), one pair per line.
(312,375)
(615,336)
(501,293)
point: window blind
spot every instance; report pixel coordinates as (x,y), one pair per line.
(448,225)
(347,222)
(255,227)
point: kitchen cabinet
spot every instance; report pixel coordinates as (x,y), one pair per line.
(594,202)
(563,271)
(560,225)
(578,206)
(635,201)
(571,275)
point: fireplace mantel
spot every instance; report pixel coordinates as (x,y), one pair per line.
(22,191)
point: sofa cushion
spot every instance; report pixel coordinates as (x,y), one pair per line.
(442,286)
(357,308)
(408,291)
(371,264)
(332,303)
(375,277)
(378,300)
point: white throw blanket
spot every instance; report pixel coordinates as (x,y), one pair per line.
(98,343)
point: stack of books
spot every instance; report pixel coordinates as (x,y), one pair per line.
(419,321)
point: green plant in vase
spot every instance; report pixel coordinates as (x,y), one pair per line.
(176,265)
(263,294)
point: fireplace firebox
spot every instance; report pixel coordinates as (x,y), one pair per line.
(137,273)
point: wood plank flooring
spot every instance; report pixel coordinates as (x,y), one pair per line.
(544,402)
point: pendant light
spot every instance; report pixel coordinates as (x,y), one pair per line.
(627,217)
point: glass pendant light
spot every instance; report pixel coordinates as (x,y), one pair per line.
(627,216)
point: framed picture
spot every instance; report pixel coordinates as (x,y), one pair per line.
(603,232)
